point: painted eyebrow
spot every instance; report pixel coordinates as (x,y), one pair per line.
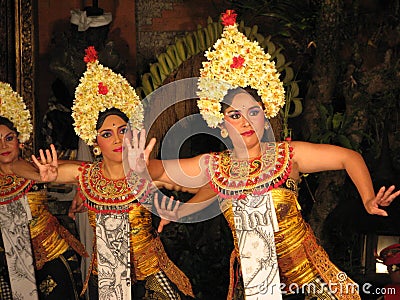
(109,129)
(232,111)
(10,133)
(238,110)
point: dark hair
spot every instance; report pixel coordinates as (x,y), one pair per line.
(108,112)
(227,101)
(6,122)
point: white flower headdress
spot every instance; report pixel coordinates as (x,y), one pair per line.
(13,108)
(101,89)
(237,62)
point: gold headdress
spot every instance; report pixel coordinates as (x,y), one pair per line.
(13,108)
(237,62)
(100,89)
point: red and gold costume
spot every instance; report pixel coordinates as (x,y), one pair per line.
(105,196)
(49,239)
(301,259)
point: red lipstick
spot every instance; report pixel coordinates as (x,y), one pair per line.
(248,133)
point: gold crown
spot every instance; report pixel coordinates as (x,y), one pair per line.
(13,108)
(100,89)
(237,62)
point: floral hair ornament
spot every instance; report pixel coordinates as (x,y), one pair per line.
(235,62)
(13,108)
(101,89)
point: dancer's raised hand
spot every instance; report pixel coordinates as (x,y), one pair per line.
(47,164)
(138,152)
(383,198)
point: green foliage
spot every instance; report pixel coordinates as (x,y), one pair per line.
(335,128)
(290,17)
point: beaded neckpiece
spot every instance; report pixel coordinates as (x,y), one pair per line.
(234,178)
(103,195)
(13,188)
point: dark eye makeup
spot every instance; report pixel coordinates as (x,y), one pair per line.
(108,133)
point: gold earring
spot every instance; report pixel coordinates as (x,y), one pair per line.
(224,133)
(96,150)
(266,125)
(21,148)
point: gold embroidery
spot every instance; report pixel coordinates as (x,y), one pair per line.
(300,257)
(101,194)
(13,187)
(234,178)
(49,238)
(47,285)
(154,290)
(345,288)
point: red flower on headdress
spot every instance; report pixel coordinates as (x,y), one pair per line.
(91,55)
(229,17)
(238,62)
(103,89)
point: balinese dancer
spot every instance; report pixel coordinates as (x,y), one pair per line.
(52,270)
(256,181)
(129,261)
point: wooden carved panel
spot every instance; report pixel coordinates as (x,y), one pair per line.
(7,44)
(25,57)
(17,53)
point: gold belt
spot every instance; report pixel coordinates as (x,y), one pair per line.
(46,240)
